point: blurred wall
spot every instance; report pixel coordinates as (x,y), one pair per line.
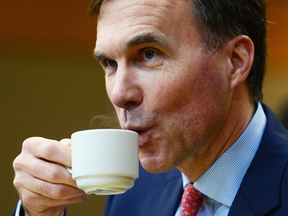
(276,81)
(51,86)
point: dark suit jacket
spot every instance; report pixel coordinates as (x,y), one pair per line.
(264,189)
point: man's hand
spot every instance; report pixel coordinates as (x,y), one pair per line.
(44,185)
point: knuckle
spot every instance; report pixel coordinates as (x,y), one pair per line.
(53,172)
(17,184)
(18,166)
(16,163)
(28,142)
(48,150)
(59,191)
(53,191)
(48,190)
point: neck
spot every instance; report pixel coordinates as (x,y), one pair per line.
(239,116)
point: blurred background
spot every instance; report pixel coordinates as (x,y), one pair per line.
(51,86)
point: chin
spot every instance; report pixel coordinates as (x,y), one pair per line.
(155,164)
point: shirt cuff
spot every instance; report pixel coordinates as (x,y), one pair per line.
(18,210)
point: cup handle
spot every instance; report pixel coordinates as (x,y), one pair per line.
(69,169)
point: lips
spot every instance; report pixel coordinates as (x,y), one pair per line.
(142,134)
(142,138)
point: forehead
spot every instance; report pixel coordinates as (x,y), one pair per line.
(122,19)
(139,11)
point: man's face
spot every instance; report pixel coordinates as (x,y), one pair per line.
(160,80)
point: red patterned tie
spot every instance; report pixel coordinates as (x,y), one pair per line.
(192,201)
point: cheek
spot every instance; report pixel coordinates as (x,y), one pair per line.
(173,95)
(197,84)
(195,97)
(159,91)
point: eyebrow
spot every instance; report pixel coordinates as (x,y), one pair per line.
(98,55)
(147,38)
(138,40)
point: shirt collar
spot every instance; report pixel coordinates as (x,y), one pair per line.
(222,180)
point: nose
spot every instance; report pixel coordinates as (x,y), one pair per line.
(124,89)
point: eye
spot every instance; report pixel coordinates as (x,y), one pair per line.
(109,66)
(111,63)
(150,58)
(149,54)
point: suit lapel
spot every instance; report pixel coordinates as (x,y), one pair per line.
(240,206)
(259,192)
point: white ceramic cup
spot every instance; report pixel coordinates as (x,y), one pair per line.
(105,161)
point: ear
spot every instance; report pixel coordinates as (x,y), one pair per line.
(241,53)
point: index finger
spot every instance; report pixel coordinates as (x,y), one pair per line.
(50,150)
(66,142)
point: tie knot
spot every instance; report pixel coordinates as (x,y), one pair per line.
(192,200)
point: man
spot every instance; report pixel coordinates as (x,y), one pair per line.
(187,76)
